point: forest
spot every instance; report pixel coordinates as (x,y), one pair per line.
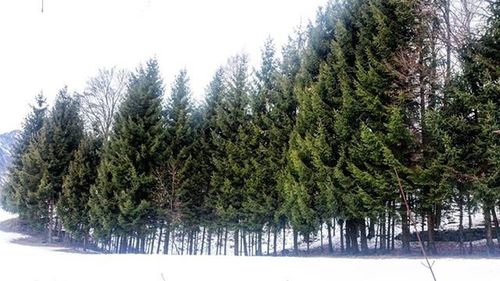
(374,103)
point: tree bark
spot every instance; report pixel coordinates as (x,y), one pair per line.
(364,241)
(321,236)
(209,241)
(51,221)
(495,220)
(431,243)
(225,242)
(341,224)
(295,242)
(383,246)
(284,240)
(159,238)
(353,235)
(268,240)
(245,247)
(236,242)
(202,241)
(487,228)
(461,224)
(469,214)
(405,230)
(167,239)
(330,244)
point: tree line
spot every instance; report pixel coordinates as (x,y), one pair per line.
(315,138)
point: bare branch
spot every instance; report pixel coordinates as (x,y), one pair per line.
(101,99)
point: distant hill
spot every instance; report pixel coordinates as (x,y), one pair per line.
(7,143)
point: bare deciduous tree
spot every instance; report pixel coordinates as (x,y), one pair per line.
(102,98)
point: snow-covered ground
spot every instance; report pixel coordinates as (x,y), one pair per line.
(29,263)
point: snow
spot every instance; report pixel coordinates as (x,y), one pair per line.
(30,263)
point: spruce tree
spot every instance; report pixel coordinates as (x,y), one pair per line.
(185,191)
(31,130)
(62,136)
(231,141)
(127,181)
(73,206)
(208,151)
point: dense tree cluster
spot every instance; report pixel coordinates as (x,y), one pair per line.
(373,92)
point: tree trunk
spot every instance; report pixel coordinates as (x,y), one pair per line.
(431,243)
(461,224)
(405,230)
(225,242)
(167,239)
(382,233)
(51,222)
(393,226)
(389,228)
(268,240)
(275,241)
(137,244)
(159,238)
(245,249)
(218,242)
(259,242)
(330,244)
(123,244)
(469,214)
(341,224)
(321,236)
(283,251)
(209,241)
(364,241)
(295,242)
(202,241)
(495,220)
(236,242)
(487,228)
(353,235)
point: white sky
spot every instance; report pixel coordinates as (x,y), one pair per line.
(67,43)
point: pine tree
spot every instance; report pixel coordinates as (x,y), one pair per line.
(262,199)
(32,211)
(184,184)
(122,200)
(62,136)
(463,129)
(73,206)
(231,142)
(31,129)
(208,151)
(380,137)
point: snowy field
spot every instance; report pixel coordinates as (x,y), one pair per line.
(29,263)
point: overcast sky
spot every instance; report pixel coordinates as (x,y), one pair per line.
(71,39)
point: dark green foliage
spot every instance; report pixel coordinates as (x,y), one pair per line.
(122,200)
(316,138)
(32,126)
(230,138)
(185,188)
(73,206)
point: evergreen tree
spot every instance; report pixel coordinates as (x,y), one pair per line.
(261,200)
(463,130)
(184,185)
(208,151)
(32,211)
(122,200)
(62,136)
(231,141)
(31,129)
(73,206)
